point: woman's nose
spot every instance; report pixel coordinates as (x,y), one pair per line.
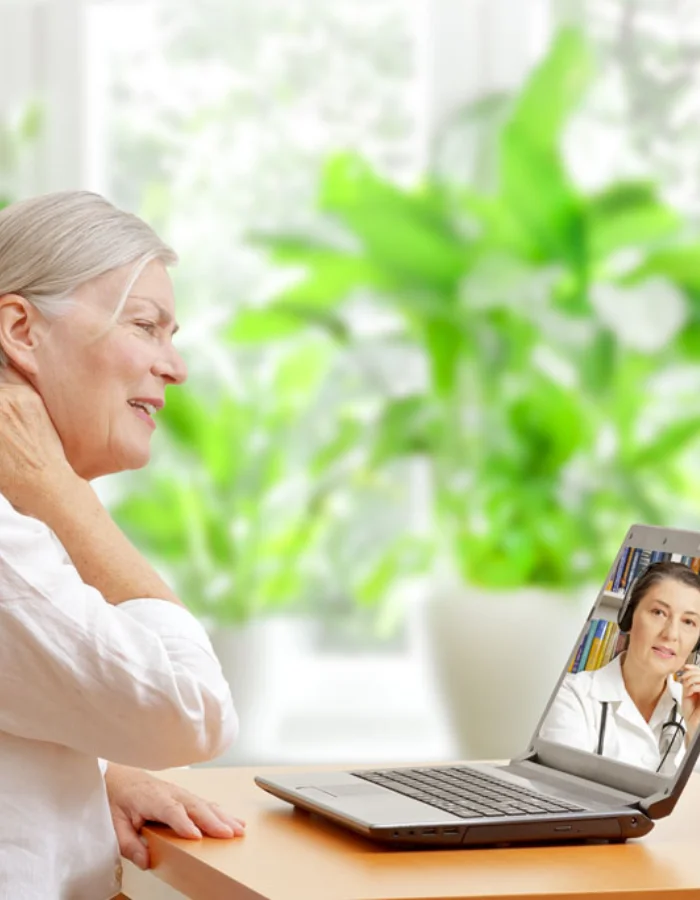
(172,367)
(671,628)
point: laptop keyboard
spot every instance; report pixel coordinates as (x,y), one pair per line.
(467,792)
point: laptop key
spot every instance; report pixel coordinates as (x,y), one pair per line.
(465,792)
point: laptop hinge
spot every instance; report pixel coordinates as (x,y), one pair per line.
(611,773)
(529,764)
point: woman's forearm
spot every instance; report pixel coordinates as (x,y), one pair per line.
(99,550)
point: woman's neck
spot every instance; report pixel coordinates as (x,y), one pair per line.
(644,688)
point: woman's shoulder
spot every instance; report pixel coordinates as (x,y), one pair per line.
(585,681)
(24,538)
(578,681)
(604,683)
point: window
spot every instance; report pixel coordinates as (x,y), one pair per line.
(211,119)
(642,119)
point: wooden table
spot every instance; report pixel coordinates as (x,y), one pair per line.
(290,855)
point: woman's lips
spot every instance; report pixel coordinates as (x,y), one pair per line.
(663,652)
(143,415)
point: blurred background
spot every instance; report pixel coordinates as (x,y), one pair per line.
(440,300)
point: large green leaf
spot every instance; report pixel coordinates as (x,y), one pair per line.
(497,226)
(281,321)
(628,214)
(535,187)
(405,556)
(329,274)
(348,437)
(262,325)
(533,181)
(407,426)
(184,418)
(688,339)
(680,264)
(597,364)
(405,233)
(667,444)
(301,372)
(499,562)
(446,346)
(224,441)
(154,520)
(627,398)
(550,423)
(554,89)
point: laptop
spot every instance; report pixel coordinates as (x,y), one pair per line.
(551,791)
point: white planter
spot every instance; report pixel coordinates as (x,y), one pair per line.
(255,658)
(495,658)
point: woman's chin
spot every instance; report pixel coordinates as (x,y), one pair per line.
(667,666)
(124,462)
(137,460)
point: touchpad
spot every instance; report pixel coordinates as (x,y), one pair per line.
(343,790)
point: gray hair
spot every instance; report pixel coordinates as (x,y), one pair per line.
(52,244)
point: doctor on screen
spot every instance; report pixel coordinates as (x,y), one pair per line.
(633,709)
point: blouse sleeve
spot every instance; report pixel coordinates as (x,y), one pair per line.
(137,683)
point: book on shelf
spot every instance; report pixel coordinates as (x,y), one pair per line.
(619,569)
(605,655)
(594,651)
(597,646)
(633,562)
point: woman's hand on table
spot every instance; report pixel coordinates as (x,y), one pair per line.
(136,797)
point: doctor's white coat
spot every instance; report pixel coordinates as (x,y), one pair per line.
(574,719)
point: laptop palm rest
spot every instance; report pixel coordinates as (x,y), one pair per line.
(343,790)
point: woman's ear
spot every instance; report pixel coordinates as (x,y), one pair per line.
(20,331)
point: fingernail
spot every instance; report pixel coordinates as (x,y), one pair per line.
(195,832)
(141,860)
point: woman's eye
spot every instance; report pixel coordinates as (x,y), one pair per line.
(149,327)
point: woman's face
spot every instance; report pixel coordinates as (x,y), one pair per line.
(94,382)
(665,626)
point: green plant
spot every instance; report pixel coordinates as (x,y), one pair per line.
(221,511)
(545,428)
(242,505)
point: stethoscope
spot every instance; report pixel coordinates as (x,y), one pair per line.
(674,722)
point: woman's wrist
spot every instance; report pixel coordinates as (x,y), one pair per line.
(61,494)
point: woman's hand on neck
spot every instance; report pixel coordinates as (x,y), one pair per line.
(10,375)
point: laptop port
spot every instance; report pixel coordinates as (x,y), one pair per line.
(429,831)
(450,830)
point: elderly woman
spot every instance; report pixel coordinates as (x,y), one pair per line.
(100,659)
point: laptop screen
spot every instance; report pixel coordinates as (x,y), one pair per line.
(631,690)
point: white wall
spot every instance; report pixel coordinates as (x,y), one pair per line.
(41,45)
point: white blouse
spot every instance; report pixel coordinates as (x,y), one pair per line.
(81,679)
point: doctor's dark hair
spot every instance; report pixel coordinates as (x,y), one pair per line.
(654,574)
